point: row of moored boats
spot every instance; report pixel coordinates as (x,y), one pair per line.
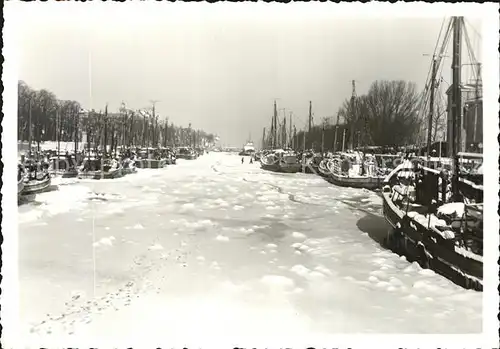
(35,173)
(435,217)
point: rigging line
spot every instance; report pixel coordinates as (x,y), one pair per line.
(474,29)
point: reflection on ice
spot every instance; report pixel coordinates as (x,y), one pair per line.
(286,253)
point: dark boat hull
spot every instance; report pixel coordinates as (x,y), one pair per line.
(146,163)
(370,183)
(100,174)
(36,186)
(430,249)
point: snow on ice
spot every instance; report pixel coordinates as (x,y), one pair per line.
(228,250)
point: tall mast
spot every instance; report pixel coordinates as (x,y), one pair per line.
(353,115)
(310,117)
(58,127)
(283,141)
(431,108)
(457,100)
(275,125)
(30,128)
(264,138)
(77,117)
(335,137)
(106,129)
(290,135)
(323,139)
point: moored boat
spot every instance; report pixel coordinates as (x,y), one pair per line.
(281,161)
(186,153)
(95,168)
(349,170)
(150,158)
(426,226)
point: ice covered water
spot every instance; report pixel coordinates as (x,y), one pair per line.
(284,252)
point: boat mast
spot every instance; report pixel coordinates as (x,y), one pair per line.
(310,121)
(105,148)
(457,101)
(431,108)
(335,137)
(323,138)
(283,141)
(290,135)
(353,115)
(58,132)
(30,133)
(294,139)
(77,113)
(275,125)
(264,138)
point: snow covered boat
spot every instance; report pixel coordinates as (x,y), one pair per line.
(94,168)
(281,161)
(149,158)
(248,149)
(128,166)
(426,227)
(345,172)
(36,184)
(63,166)
(269,162)
(186,153)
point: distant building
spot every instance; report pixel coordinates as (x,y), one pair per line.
(471,122)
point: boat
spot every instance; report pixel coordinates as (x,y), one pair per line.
(185,153)
(444,236)
(98,168)
(64,166)
(128,166)
(150,158)
(281,161)
(36,182)
(349,170)
(435,208)
(248,149)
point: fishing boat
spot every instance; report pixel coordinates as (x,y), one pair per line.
(150,158)
(186,153)
(351,170)
(128,166)
(281,161)
(98,168)
(64,166)
(435,212)
(248,149)
(37,179)
(427,227)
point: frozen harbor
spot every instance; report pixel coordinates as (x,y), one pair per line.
(212,246)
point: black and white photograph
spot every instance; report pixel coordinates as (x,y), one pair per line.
(250,174)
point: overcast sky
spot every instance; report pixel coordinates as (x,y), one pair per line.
(218,71)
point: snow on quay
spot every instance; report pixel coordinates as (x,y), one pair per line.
(170,249)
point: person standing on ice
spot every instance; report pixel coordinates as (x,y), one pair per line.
(242,160)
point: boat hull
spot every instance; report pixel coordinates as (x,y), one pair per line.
(20,186)
(187,157)
(370,183)
(36,186)
(147,163)
(418,242)
(65,174)
(100,174)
